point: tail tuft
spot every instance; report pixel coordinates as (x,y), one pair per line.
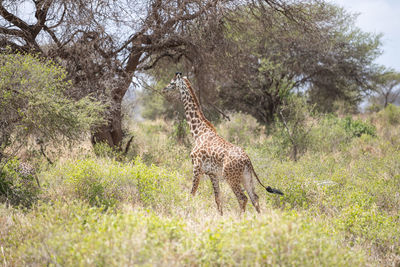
(273,190)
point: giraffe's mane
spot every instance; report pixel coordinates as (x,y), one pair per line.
(196,102)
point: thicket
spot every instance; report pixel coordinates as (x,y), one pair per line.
(35,109)
(17,187)
(34,102)
(341,204)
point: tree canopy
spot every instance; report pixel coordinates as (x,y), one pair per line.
(243,55)
(386,88)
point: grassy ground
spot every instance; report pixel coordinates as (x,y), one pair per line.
(340,208)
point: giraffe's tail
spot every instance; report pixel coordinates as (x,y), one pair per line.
(274,190)
(268,188)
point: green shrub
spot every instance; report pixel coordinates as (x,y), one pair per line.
(331,133)
(356,128)
(34,101)
(107,182)
(156,143)
(16,187)
(340,207)
(102,149)
(369,223)
(292,128)
(75,234)
(274,240)
(391,114)
(328,135)
(181,132)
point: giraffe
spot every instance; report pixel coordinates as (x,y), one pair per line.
(214,156)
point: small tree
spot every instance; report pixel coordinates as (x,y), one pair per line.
(293,125)
(34,102)
(387,88)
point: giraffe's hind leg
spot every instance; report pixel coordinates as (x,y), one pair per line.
(234,182)
(217,192)
(249,186)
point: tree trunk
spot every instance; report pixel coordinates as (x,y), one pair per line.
(294,152)
(112,133)
(386,101)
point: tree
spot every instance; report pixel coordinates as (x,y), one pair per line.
(34,102)
(293,125)
(387,88)
(271,56)
(103,43)
(258,54)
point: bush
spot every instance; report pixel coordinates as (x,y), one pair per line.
(104,150)
(181,132)
(391,114)
(242,129)
(292,128)
(16,186)
(356,128)
(34,102)
(331,133)
(340,207)
(76,234)
(155,143)
(105,182)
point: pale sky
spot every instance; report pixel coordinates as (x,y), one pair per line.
(379,16)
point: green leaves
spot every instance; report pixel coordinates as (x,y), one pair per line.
(356,128)
(34,101)
(104,183)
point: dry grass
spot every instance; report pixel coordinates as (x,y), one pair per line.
(341,207)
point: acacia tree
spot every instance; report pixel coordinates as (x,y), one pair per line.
(102,43)
(34,102)
(260,53)
(327,58)
(386,88)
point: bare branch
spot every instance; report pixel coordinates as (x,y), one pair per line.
(14,19)
(12,32)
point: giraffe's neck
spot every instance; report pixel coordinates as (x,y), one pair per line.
(194,116)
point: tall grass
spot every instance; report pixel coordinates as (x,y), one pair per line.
(341,205)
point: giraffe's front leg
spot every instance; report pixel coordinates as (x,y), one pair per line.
(215,184)
(196,179)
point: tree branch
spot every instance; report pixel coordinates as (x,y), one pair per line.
(14,19)
(12,32)
(42,7)
(61,19)
(188,17)
(6,43)
(53,36)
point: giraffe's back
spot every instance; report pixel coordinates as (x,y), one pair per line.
(214,155)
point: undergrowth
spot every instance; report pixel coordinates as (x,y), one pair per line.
(341,205)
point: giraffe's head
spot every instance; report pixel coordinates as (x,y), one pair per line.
(175,86)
